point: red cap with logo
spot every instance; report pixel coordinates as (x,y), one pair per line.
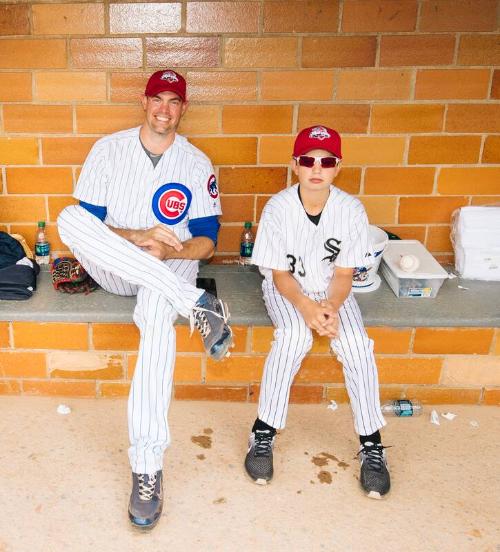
(166,81)
(317,137)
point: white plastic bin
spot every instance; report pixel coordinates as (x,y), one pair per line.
(423,282)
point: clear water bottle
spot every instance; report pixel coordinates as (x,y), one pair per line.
(402,408)
(42,246)
(246,244)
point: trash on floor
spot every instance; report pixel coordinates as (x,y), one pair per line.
(473,423)
(449,415)
(435,418)
(333,405)
(63,409)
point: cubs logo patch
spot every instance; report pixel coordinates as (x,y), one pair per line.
(171,203)
(212,188)
(320,133)
(169,76)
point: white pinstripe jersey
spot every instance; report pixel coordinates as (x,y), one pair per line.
(119,175)
(288,240)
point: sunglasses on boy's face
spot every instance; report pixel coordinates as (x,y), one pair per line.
(326,162)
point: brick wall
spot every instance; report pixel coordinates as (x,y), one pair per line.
(435,365)
(411,85)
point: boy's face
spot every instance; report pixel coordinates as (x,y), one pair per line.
(317,177)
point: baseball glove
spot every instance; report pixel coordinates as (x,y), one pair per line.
(69,276)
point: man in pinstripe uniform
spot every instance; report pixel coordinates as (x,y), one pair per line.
(310,238)
(148,211)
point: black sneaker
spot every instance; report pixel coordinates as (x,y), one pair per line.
(259,459)
(146,500)
(374,477)
(210,316)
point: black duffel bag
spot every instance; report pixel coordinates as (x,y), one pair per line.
(17,280)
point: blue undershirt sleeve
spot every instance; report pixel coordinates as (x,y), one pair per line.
(205,226)
(96,210)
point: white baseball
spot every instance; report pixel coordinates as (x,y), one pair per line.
(409,263)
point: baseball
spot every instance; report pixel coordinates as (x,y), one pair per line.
(409,263)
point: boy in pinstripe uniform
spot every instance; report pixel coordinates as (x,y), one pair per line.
(310,237)
(148,211)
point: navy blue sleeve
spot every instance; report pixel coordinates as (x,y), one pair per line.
(96,210)
(205,226)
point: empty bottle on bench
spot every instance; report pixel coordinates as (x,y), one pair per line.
(246,244)
(42,246)
(402,408)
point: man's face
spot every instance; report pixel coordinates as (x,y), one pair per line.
(316,177)
(163,112)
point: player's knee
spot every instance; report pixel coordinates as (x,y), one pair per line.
(292,339)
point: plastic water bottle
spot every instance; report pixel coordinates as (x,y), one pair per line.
(246,244)
(402,408)
(42,246)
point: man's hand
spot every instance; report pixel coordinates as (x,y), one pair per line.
(320,317)
(150,239)
(159,249)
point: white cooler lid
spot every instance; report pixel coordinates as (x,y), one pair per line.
(429,267)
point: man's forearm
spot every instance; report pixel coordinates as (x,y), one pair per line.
(197,248)
(129,235)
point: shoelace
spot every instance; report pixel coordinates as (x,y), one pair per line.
(263,443)
(146,490)
(374,456)
(199,319)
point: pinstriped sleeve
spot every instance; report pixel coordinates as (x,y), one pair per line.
(356,249)
(269,249)
(93,181)
(206,197)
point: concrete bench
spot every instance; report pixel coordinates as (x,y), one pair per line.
(442,350)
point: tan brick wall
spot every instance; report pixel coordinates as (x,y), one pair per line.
(436,365)
(411,84)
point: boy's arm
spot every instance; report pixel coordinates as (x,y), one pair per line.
(340,287)
(338,291)
(316,315)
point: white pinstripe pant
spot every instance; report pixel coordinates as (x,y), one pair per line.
(124,269)
(293,339)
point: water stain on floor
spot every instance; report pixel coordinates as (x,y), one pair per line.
(325,477)
(203,441)
(323,457)
(208,431)
(221,500)
(200,456)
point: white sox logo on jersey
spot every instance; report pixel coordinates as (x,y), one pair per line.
(320,133)
(331,245)
(171,203)
(213,191)
(169,76)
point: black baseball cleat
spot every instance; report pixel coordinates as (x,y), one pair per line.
(146,500)
(374,478)
(259,458)
(210,316)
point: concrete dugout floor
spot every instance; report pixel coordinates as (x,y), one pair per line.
(65,482)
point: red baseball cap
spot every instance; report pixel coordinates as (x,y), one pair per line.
(166,81)
(317,137)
